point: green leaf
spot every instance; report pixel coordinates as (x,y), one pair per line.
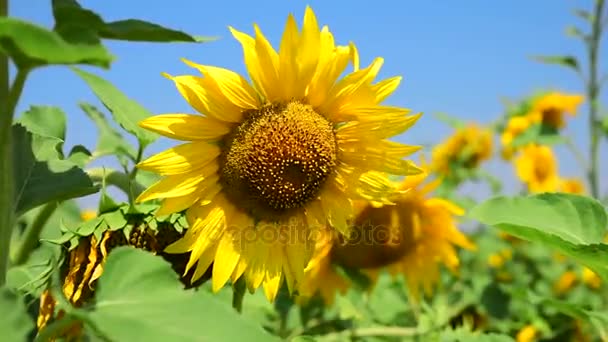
(30,45)
(109,140)
(143,31)
(585,15)
(80,155)
(32,277)
(605,125)
(539,134)
(449,120)
(139,297)
(125,111)
(40,176)
(567,61)
(15,324)
(47,121)
(574,225)
(71,19)
(464,335)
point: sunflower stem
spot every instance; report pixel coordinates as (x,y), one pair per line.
(119,179)
(31,237)
(593,90)
(238,293)
(133,175)
(7,207)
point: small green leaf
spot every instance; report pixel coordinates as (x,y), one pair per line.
(567,61)
(585,15)
(40,176)
(572,31)
(139,297)
(605,125)
(15,324)
(451,121)
(79,155)
(115,220)
(464,335)
(539,134)
(125,111)
(32,277)
(30,45)
(109,140)
(47,121)
(574,225)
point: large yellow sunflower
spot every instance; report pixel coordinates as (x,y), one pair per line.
(537,167)
(467,148)
(268,163)
(412,237)
(551,108)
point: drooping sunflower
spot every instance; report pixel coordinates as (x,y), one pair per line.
(269,162)
(467,148)
(537,167)
(549,109)
(413,237)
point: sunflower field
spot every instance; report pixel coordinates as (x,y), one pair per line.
(286,204)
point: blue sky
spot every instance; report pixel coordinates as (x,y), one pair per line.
(459,59)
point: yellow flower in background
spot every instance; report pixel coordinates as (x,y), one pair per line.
(551,108)
(320,274)
(572,186)
(412,237)
(88,214)
(467,147)
(527,334)
(591,279)
(565,283)
(515,126)
(497,260)
(268,163)
(537,167)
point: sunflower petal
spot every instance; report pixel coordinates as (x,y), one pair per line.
(186,127)
(232,85)
(181,159)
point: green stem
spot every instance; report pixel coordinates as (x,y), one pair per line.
(31,237)
(593,88)
(133,174)
(119,179)
(7,207)
(580,158)
(238,294)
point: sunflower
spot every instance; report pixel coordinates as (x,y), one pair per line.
(467,148)
(549,109)
(267,163)
(515,126)
(412,237)
(537,167)
(572,186)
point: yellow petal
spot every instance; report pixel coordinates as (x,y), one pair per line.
(203,263)
(273,276)
(288,65)
(182,185)
(232,85)
(176,204)
(181,159)
(206,98)
(226,258)
(385,88)
(338,209)
(211,229)
(186,127)
(268,60)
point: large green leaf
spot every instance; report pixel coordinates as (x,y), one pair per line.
(40,175)
(15,324)
(109,140)
(30,45)
(574,225)
(71,19)
(140,298)
(125,111)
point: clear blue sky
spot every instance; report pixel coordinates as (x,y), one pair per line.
(455,57)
